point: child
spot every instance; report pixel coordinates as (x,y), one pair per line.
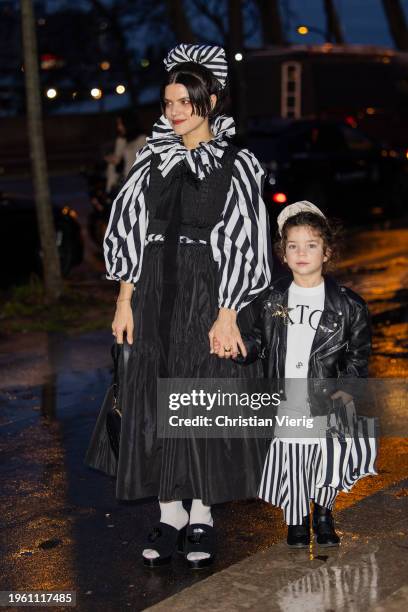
(309,328)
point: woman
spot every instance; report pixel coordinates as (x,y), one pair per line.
(188,239)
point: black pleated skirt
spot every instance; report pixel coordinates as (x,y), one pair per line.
(214,470)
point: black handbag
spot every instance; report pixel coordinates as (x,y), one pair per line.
(120,356)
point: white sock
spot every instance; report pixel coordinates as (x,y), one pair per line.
(199,513)
(172,513)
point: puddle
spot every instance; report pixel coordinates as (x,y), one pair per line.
(48,544)
(63,396)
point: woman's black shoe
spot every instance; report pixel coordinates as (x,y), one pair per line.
(299,535)
(165,539)
(323,527)
(201,539)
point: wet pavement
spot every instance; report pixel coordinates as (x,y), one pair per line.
(361,574)
(62,528)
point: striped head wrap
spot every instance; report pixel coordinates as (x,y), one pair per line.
(212,58)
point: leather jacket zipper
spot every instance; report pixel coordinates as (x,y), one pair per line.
(333,350)
(277,353)
(324,343)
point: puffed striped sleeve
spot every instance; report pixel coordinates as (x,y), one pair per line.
(125,236)
(241,242)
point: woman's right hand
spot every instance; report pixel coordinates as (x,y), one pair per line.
(123,322)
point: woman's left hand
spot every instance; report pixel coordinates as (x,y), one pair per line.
(225,334)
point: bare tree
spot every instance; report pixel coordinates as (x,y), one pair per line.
(236,30)
(397,23)
(122,17)
(179,22)
(271,22)
(241,15)
(51,263)
(112,16)
(333,27)
(216,14)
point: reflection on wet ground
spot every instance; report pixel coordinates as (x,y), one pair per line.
(65,529)
(377,268)
(367,570)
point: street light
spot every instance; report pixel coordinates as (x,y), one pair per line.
(96,93)
(238,57)
(120,89)
(105,65)
(51,93)
(304,30)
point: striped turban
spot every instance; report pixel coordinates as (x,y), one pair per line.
(212,58)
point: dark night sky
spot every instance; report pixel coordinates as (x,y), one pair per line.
(363,21)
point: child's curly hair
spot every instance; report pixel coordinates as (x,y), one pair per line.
(331,232)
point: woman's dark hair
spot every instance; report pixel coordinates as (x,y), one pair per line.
(131,124)
(330,231)
(200,84)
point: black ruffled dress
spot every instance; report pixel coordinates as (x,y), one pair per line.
(175,302)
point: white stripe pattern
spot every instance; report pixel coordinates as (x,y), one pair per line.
(202,160)
(295,473)
(211,57)
(289,479)
(240,241)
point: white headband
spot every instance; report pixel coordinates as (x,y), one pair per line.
(212,58)
(295,209)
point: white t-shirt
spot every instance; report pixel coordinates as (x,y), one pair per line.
(305,306)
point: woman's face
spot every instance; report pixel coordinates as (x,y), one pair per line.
(304,253)
(179,111)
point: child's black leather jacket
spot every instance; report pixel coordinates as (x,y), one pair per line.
(342,343)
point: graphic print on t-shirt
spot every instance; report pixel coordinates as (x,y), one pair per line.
(301,314)
(305,306)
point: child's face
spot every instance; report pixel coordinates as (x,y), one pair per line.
(304,251)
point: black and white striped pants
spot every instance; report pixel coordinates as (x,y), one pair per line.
(289,479)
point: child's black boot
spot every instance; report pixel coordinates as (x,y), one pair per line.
(323,527)
(299,535)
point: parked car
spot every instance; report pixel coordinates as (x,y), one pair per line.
(332,164)
(20,249)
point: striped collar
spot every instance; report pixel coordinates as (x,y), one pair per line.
(202,160)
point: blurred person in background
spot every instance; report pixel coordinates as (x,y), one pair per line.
(128,142)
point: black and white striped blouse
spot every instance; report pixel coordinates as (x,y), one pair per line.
(240,241)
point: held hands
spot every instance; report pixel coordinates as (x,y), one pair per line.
(123,322)
(345,397)
(225,334)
